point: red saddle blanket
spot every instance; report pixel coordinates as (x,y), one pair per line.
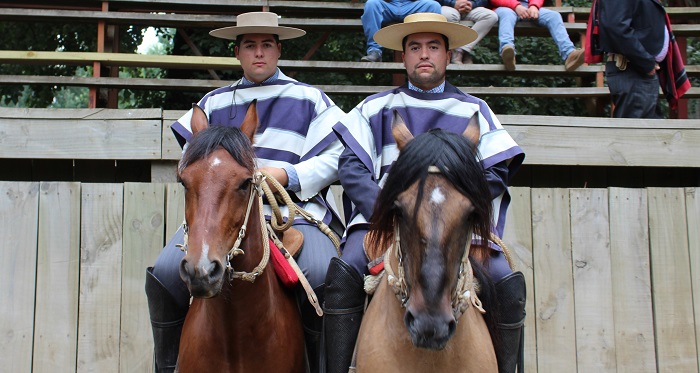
(284,270)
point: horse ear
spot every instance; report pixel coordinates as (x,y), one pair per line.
(473,131)
(401,133)
(250,123)
(199,121)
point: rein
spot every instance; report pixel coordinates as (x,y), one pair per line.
(463,294)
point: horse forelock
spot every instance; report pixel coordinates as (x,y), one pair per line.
(458,162)
(235,142)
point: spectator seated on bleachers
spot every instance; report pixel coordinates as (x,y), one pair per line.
(382,12)
(476,11)
(512,11)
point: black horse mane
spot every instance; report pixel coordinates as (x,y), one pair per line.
(460,163)
(231,139)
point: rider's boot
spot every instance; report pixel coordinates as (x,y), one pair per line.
(312,329)
(510,291)
(167,318)
(343,309)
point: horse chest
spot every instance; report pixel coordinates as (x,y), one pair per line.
(384,344)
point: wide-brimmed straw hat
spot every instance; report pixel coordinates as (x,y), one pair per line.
(392,36)
(257,23)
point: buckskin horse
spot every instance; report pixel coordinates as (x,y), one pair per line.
(426,314)
(238,321)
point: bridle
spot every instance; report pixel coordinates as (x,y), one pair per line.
(259,188)
(464,292)
(255,192)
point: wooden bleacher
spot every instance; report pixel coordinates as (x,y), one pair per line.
(339,16)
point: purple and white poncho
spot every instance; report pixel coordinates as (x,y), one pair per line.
(371,149)
(295,130)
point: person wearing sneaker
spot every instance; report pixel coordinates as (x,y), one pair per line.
(511,12)
(379,12)
(296,146)
(426,101)
(476,11)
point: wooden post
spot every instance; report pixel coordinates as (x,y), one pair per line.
(400,78)
(93,96)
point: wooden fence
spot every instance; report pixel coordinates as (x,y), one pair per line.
(610,275)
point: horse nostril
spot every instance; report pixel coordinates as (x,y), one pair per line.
(186,270)
(215,270)
(409,319)
(451,327)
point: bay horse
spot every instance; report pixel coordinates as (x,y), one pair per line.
(426,315)
(238,321)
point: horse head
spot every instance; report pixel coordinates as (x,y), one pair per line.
(435,196)
(216,170)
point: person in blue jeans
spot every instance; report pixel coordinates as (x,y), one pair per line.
(511,12)
(379,12)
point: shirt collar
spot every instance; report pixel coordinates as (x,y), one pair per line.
(271,79)
(438,89)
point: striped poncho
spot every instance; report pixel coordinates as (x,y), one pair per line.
(295,129)
(371,149)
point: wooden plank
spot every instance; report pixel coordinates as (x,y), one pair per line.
(171,148)
(144,225)
(100,278)
(174,209)
(204,85)
(554,288)
(590,254)
(19,209)
(81,139)
(518,237)
(670,272)
(58,267)
(607,146)
(41,113)
(631,280)
(602,122)
(118,59)
(692,203)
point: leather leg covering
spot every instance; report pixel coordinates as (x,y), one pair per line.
(510,291)
(166,321)
(313,325)
(343,309)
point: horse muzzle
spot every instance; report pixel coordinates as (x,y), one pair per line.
(430,330)
(204,279)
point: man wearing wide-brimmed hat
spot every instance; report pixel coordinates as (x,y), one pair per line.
(295,144)
(427,101)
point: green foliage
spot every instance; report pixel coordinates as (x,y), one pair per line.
(69,37)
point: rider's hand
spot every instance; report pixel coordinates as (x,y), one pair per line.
(278,173)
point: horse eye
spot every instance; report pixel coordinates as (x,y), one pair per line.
(245,184)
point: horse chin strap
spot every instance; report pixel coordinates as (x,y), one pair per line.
(464,293)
